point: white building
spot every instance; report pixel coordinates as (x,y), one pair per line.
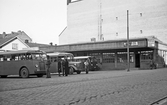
(98,20)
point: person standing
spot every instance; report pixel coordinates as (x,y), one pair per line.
(66,67)
(48,63)
(59,66)
(86,66)
(63,66)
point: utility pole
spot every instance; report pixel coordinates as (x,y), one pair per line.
(100,35)
(128,61)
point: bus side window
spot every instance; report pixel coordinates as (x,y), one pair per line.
(5,58)
(8,59)
(1,58)
(17,57)
(29,56)
(22,57)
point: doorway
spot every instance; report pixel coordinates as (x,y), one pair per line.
(137,60)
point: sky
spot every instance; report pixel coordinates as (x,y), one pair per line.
(41,20)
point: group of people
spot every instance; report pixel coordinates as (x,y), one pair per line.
(63,66)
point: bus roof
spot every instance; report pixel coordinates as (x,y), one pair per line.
(21,52)
(55,54)
(82,57)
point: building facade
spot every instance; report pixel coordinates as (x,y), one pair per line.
(101,20)
(99,28)
(112,54)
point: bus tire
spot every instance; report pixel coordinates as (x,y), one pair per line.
(78,72)
(24,73)
(39,75)
(3,76)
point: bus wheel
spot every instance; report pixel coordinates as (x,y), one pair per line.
(71,70)
(3,76)
(24,73)
(78,72)
(39,75)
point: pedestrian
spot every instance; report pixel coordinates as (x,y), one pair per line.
(63,66)
(66,67)
(86,66)
(59,66)
(48,63)
(151,64)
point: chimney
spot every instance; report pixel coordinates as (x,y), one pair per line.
(4,34)
(19,31)
(12,32)
(51,43)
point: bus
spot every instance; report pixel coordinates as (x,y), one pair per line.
(73,66)
(93,61)
(23,63)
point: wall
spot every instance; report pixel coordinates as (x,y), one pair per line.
(146,17)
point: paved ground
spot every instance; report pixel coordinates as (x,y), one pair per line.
(137,87)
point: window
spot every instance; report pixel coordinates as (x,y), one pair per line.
(122,57)
(93,39)
(145,55)
(14,46)
(141,31)
(108,57)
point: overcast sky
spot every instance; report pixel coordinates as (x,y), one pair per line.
(42,20)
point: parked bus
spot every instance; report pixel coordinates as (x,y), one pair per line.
(23,63)
(93,61)
(73,66)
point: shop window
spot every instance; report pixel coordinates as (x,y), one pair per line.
(146,55)
(122,57)
(108,57)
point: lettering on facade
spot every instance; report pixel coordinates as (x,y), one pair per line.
(131,44)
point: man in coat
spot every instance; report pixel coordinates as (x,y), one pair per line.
(66,67)
(48,63)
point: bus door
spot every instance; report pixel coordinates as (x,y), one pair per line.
(54,65)
(1,65)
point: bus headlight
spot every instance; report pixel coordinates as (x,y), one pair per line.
(36,66)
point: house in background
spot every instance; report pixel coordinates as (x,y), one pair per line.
(12,44)
(18,41)
(20,34)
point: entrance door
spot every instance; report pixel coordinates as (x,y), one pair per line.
(137,60)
